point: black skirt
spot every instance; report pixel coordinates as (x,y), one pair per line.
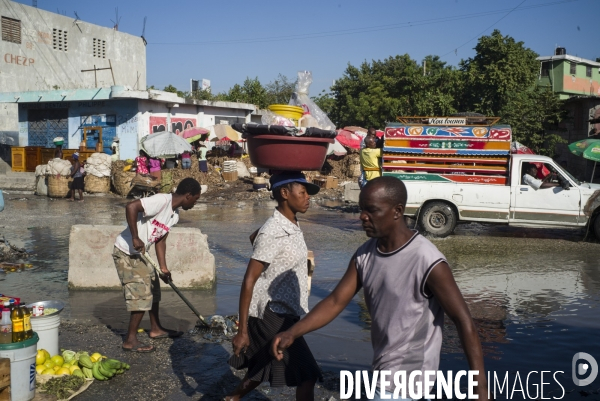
(298,364)
(77,183)
(203,164)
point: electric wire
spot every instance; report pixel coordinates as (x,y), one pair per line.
(484,31)
(378,28)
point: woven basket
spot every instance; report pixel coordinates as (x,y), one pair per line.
(166,181)
(97,185)
(58,187)
(122,182)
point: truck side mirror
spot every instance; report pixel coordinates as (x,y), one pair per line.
(564,183)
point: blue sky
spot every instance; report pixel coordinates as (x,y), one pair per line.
(226,41)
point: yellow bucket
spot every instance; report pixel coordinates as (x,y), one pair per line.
(292,112)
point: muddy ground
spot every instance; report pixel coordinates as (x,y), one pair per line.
(191,367)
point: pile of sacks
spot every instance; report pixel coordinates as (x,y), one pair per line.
(98,165)
(41,170)
(58,167)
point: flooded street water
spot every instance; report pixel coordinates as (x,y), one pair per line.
(535,294)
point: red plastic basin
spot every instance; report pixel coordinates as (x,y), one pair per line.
(281,152)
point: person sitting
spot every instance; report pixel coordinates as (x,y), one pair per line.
(529,178)
(155,167)
(141,163)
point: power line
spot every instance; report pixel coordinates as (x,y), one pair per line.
(484,31)
(354,31)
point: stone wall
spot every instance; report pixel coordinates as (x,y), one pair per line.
(91,265)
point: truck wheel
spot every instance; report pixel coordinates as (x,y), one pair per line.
(596,226)
(438,219)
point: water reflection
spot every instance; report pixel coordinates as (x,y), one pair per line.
(534,294)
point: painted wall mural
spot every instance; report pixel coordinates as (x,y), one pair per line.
(178,124)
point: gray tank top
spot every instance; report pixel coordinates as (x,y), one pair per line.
(406,328)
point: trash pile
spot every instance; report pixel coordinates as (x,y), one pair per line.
(219,326)
(10,252)
(98,164)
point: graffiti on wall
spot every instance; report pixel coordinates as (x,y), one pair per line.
(127,124)
(178,124)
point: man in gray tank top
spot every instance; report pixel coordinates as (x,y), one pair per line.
(408,286)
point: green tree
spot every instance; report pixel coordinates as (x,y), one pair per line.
(380,91)
(280,90)
(252,91)
(501,80)
(325,101)
(172,89)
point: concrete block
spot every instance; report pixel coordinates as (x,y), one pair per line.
(351,192)
(91,264)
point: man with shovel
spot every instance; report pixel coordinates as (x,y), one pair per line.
(149,221)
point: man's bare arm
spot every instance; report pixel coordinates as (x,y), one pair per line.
(441,283)
(323,313)
(131,213)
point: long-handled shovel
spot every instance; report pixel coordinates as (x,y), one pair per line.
(149,260)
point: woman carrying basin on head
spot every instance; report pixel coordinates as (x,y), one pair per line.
(274,294)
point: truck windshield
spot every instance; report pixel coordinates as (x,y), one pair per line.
(565,172)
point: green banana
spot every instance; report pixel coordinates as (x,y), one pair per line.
(87,372)
(96,373)
(112,364)
(120,371)
(85,361)
(126,366)
(105,372)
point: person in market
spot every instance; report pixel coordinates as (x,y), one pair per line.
(115,149)
(186,160)
(370,159)
(529,178)
(58,153)
(141,163)
(274,295)
(202,162)
(149,221)
(408,286)
(154,167)
(77,173)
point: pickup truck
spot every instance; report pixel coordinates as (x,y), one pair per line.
(477,179)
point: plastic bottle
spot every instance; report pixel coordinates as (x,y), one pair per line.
(5,327)
(27,322)
(18,329)
(12,304)
(307,120)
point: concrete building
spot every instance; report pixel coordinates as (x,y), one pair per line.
(116,111)
(569,76)
(44,51)
(576,81)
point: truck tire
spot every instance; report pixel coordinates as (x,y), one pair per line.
(596,226)
(438,219)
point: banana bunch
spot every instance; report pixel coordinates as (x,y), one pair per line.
(101,369)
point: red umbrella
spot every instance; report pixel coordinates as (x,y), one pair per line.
(193,132)
(348,139)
